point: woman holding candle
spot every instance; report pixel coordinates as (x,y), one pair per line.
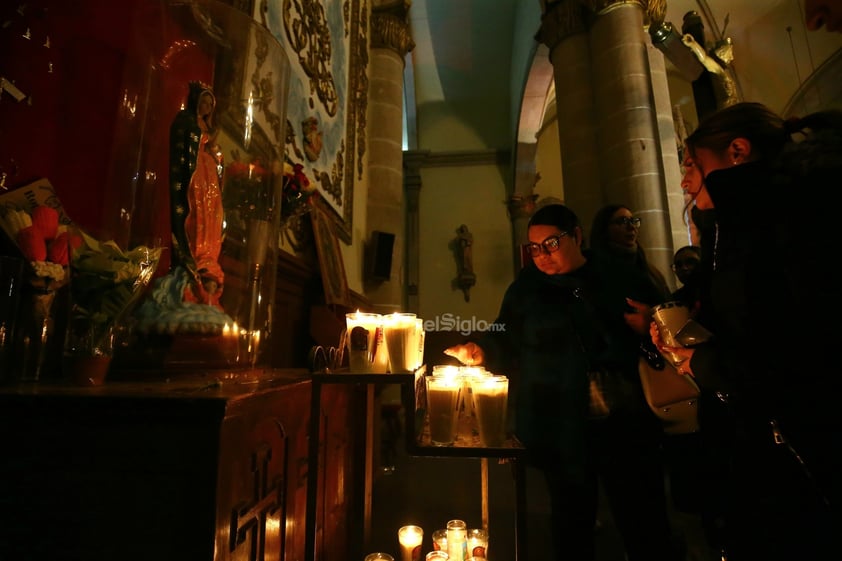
(552,336)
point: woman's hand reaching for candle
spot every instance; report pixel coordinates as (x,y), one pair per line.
(469,354)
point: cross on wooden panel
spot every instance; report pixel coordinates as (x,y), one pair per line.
(267,499)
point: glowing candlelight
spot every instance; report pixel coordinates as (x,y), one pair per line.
(410,538)
(478,543)
(446,370)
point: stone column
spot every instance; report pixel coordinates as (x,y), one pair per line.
(385,208)
(564,32)
(609,125)
(679,227)
(630,155)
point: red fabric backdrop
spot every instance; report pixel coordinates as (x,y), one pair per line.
(98,125)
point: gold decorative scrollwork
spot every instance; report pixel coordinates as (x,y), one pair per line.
(391,30)
(262,83)
(308,33)
(359,84)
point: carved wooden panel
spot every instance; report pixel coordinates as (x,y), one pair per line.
(156,471)
(262,449)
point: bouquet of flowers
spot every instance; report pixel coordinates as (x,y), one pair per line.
(106,282)
(44,244)
(248,190)
(297,191)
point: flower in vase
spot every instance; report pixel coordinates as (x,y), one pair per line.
(106,282)
(248,190)
(44,243)
(296,193)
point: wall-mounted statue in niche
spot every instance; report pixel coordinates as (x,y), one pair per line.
(464,253)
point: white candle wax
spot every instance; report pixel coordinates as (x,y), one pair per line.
(401,341)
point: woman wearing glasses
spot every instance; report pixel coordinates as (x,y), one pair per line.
(615,238)
(558,325)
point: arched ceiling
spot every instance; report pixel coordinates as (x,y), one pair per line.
(464,48)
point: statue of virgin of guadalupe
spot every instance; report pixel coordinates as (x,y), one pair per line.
(196,212)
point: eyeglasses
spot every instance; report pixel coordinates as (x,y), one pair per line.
(550,245)
(626,221)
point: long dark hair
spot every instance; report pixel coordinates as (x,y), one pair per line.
(599,241)
(761,126)
(766,130)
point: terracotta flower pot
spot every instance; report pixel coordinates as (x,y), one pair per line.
(86,370)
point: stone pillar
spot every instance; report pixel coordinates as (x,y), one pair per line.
(679,229)
(385,209)
(563,30)
(609,126)
(630,155)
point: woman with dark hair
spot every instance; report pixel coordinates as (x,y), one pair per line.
(622,262)
(774,185)
(616,230)
(558,324)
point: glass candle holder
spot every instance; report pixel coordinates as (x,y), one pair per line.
(402,341)
(366,343)
(477,544)
(410,538)
(379,556)
(457,540)
(443,408)
(490,398)
(440,540)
